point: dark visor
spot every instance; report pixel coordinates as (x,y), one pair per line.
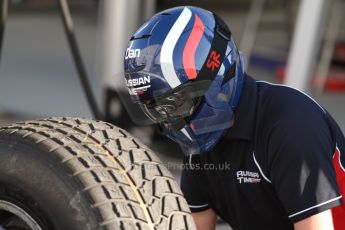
(171,109)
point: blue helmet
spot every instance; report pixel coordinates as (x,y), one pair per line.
(183,68)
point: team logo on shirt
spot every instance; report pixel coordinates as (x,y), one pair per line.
(248,177)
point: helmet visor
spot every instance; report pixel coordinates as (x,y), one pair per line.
(173,108)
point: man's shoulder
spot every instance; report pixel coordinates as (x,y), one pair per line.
(288,115)
(284,102)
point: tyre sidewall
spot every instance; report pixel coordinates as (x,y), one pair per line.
(38,183)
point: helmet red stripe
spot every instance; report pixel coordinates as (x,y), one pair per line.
(190,48)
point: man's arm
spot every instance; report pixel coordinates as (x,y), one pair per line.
(320,221)
(205,220)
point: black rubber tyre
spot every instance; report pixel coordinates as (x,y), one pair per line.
(72,173)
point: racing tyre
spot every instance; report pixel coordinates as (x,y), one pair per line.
(72,173)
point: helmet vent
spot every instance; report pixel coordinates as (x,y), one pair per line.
(230,74)
(221,28)
(165,14)
(140,37)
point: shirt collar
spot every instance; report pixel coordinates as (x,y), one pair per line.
(245,113)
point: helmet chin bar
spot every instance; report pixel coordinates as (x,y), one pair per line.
(200,134)
(174,126)
(220,120)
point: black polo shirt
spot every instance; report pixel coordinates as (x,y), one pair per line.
(274,167)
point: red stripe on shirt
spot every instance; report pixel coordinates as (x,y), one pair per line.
(339,212)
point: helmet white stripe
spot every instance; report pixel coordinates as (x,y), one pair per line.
(168,46)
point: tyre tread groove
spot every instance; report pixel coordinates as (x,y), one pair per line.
(84,146)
